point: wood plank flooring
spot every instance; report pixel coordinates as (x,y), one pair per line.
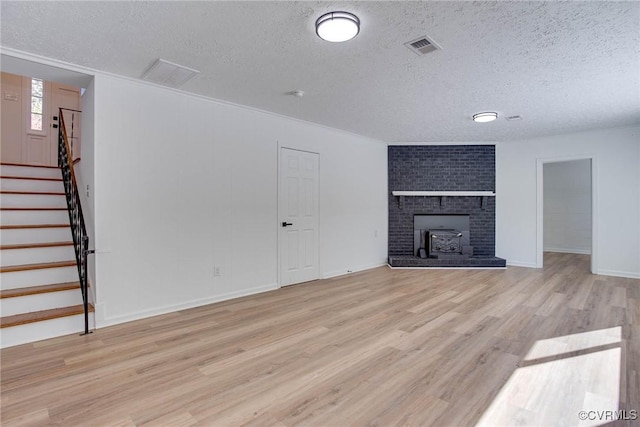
(380,348)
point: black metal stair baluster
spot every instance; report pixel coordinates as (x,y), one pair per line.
(76,219)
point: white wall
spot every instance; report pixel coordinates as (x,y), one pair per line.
(183,184)
(617,191)
(567,206)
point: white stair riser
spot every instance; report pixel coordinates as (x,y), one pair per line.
(39,302)
(33,201)
(31,332)
(6,170)
(37,331)
(44,276)
(35,235)
(34,217)
(7,184)
(36,255)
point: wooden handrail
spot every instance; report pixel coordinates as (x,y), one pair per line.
(63,128)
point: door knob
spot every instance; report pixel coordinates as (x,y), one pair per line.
(286,224)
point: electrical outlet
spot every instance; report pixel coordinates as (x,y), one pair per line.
(216,271)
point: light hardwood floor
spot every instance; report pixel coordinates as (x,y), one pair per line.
(381,347)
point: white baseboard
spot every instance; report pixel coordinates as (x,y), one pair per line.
(336,273)
(104,322)
(627,274)
(512,263)
(569,251)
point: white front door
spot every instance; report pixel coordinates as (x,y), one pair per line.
(298,216)
(25,125)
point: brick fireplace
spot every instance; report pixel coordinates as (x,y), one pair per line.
(442,168)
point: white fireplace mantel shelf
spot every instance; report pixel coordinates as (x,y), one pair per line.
(445,193)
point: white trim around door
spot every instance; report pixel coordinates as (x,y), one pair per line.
(540,206)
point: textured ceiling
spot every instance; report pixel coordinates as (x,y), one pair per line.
(562,66)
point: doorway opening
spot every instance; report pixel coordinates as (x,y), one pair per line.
(566,214)
(33,110)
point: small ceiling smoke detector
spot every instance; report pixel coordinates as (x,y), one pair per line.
(297,93)
(422,45)
(169,74)
(337,26)
(485,117)
(513,118)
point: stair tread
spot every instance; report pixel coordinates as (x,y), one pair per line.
(35,245)
(31,178)
(38,266)
(20,226)
(33,209)
(28,166)
(33,290)
(33,193)
(38,316)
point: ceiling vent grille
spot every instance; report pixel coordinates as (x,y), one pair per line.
(422,45)
(169,74)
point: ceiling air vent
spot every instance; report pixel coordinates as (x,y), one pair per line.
(422,45)
(169,74)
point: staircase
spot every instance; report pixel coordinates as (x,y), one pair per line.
(40,295)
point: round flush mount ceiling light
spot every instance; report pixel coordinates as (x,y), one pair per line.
(337,26)
(485,117)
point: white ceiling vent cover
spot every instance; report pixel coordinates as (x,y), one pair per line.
(169,74)
(422,45)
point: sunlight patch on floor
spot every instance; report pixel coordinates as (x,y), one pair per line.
(561,377)
(569,343)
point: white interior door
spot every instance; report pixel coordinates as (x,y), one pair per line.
(67,97)
(298,216)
